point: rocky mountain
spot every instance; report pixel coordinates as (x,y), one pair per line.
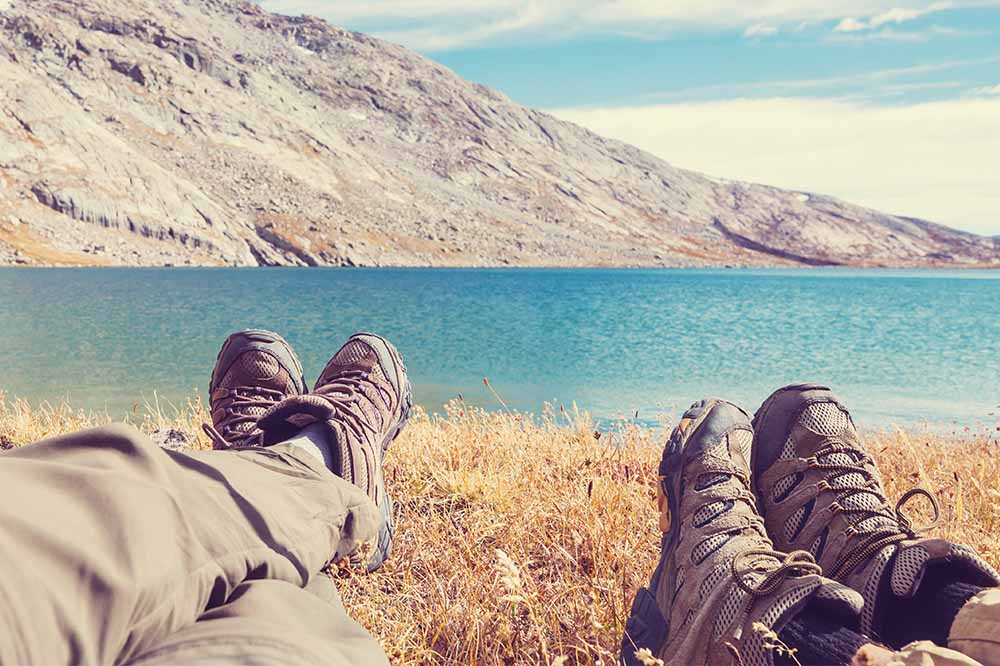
(213,132)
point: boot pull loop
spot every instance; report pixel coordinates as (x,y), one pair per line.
(904,520)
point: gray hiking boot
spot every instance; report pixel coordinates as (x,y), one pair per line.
(255,370)
(363,398)
(718,573)
(820,491)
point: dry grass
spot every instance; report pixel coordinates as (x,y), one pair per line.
(523,540)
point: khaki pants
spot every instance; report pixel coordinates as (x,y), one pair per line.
(113,550)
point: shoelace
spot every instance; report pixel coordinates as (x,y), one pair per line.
(350,383)
(795,563)
(878,537)
(774,565)
(236,404)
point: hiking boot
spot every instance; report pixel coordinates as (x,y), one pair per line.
(255,370)
(820,491)
(718,573)
(363,397)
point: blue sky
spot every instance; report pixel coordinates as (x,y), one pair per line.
(895,105)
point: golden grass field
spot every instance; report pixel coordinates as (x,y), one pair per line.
(522,539)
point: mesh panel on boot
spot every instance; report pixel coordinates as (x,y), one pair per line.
(908,565)
(817,546)
(860,499)
(735,602)
(795,523)
(742,441)
(708,480)
(708,546)
(250,365)
(713,579)
(786,484)
(824,418)
(870,590)
(353,352)
(756,654)
(711,511)
(958,551)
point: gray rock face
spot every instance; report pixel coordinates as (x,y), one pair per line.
(213,132)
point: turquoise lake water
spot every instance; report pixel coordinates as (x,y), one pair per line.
(900,346)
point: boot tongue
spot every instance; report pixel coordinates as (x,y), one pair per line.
(838,600)
(830,598)
(292,414)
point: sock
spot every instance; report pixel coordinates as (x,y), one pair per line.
(818,640)
(313,440)
(927,615)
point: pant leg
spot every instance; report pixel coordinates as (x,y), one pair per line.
(270,622)
(976,629)
(109,544)
(927,653)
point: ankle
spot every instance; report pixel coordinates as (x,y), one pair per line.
(313,440)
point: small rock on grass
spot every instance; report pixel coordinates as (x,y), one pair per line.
(172,438)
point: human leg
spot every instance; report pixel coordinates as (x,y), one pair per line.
(110,543)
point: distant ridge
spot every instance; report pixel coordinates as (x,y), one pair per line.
(212,132)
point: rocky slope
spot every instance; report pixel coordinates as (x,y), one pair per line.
(213,132)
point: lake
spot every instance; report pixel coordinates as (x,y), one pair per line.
(900,346)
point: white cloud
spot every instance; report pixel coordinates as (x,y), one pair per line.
(850,24)
(898,15)
(760,30)
(895,15)
(987,90)
(444,24)
(933,160)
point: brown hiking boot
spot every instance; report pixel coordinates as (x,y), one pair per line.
(363,397)
(820,491)
(719,574)
(255,370)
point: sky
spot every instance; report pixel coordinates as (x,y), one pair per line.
(893,105)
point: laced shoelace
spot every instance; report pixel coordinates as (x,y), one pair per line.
(749,564)
(875,537)
(350,383)
(237,403)
(774,565)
